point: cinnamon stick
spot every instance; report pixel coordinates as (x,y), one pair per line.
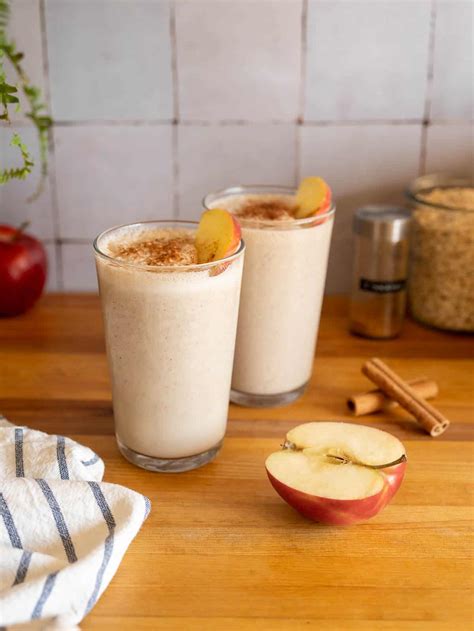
(394,387)
(375,400)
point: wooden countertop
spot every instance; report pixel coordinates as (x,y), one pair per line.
(226,553)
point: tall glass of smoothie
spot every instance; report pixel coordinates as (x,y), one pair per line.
(282,291)
(170,326)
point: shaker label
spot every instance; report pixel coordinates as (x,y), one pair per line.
(382,286)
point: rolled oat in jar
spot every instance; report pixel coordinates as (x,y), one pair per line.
(441,278)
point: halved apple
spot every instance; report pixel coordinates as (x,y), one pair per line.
(218,235)
(312,197)
(337,473)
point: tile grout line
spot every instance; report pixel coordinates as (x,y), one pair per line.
(364,122)
(131,122)
(174,130)
(429,90)
(302,91)
(51,148)
(69,241)
(247,122)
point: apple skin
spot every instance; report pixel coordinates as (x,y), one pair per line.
(233,247)
(341,512)
(237,235)
(324,208)
(23,269)
(326,203)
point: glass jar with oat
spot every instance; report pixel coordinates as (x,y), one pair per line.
(441,280)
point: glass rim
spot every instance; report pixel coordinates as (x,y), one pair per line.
(162,268)
(261,189)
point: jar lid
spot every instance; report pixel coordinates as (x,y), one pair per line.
(380,221)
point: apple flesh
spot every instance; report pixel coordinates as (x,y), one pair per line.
(337,473)
(218,235)
(23,268)
(313,197)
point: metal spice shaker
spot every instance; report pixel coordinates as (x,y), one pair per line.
(380,270)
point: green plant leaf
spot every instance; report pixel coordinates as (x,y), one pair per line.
(7,89)
(18,173)
(38,111)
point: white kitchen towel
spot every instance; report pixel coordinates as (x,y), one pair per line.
(63,532)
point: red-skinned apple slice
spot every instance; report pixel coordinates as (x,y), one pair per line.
(218,235)
(337,473)
(312,197)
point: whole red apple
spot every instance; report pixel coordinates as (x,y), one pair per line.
(23,268)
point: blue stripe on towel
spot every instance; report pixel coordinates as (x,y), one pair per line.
(61,454)
(147,506)
(19,464)
(22,567)
(108,545)
(104,507)
(9,523)
(59,519)
(46,591)
(93,460)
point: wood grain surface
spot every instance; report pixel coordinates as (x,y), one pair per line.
(220,550)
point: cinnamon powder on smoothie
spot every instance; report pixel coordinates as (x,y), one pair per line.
(160,248)
(276,209)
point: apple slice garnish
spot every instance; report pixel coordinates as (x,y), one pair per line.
(337,473)
(217,236)
(312,197)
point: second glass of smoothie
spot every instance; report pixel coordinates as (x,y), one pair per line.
(282,292)
(170,326)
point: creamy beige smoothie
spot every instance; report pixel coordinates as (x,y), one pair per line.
(170,327)
(282,293)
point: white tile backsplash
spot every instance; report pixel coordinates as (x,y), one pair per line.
(362,160)
(112,175)
(453,70)
(25,30)
(78,267)
(450,149)
(211,157)
(109,60)
(15,206)
(238,60)
(364,164)
(158,102)
(52,279)
(366,60)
